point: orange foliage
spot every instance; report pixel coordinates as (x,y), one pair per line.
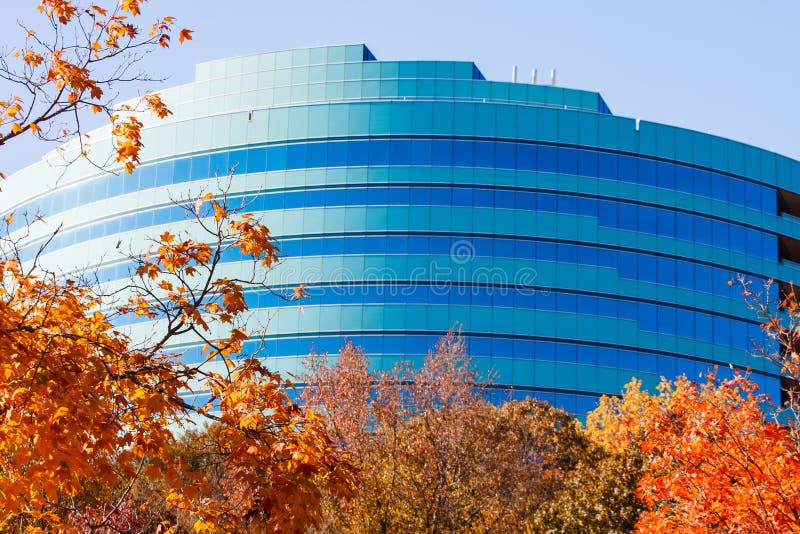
(81,404)
(716,464)
(72,68)
(713,463)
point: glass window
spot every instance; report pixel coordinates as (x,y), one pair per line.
(722,331)
(199,167)
(702,230)
(504,198)
(666,175)
(666,222)
(378,152)
(684,274)
(525,249)
(684,178)
(647,220)
(296,156)
(738,238)
(606,357)
(421,152)
(440,196)
(567,352)
(753,242)
(567,253)
(377,196)
(400,152)
(567,161)
(720,234)
(752,196)
(316,155)
(547,159)
(357,153)
(587,305)
(546,202)
(702,183)
(506,154)
(485,199)
(182,167)
(356,197)
(463,154)
(504,248)
(703,327)
(606,307)
(666,271)
(647,172)
(442,153)
(719,186)
(587,207)
(544,350)
(666,365)
(626,265)
(648,317)
(769,200)
(736,191)
(587,162)
(686,323)
(336,154)
(484,154)
(462,196)
(647,268)
(607,213)
(607,165)
(703,276)
(546,251)
(627,216)
(627,169)
(526,157)
(684,226)
(567,204)
(607,258)
(525,201)
(666,320)
(587,255)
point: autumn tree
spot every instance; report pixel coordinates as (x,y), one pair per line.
(88,415)
(598,496)
(74,60)
(713,462)
(83,404)
(435,455)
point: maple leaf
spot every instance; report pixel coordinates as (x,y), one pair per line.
(299,292)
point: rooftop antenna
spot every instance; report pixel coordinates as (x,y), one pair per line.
(513,74)
(533,76)
(553,77)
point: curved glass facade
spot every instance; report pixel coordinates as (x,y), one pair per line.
(576,248)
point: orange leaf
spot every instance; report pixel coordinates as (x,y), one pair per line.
(219,211)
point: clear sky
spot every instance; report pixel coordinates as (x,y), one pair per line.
(728,67)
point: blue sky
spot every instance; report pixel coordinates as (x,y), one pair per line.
(725,67)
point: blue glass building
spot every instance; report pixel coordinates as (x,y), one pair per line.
(576,248)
